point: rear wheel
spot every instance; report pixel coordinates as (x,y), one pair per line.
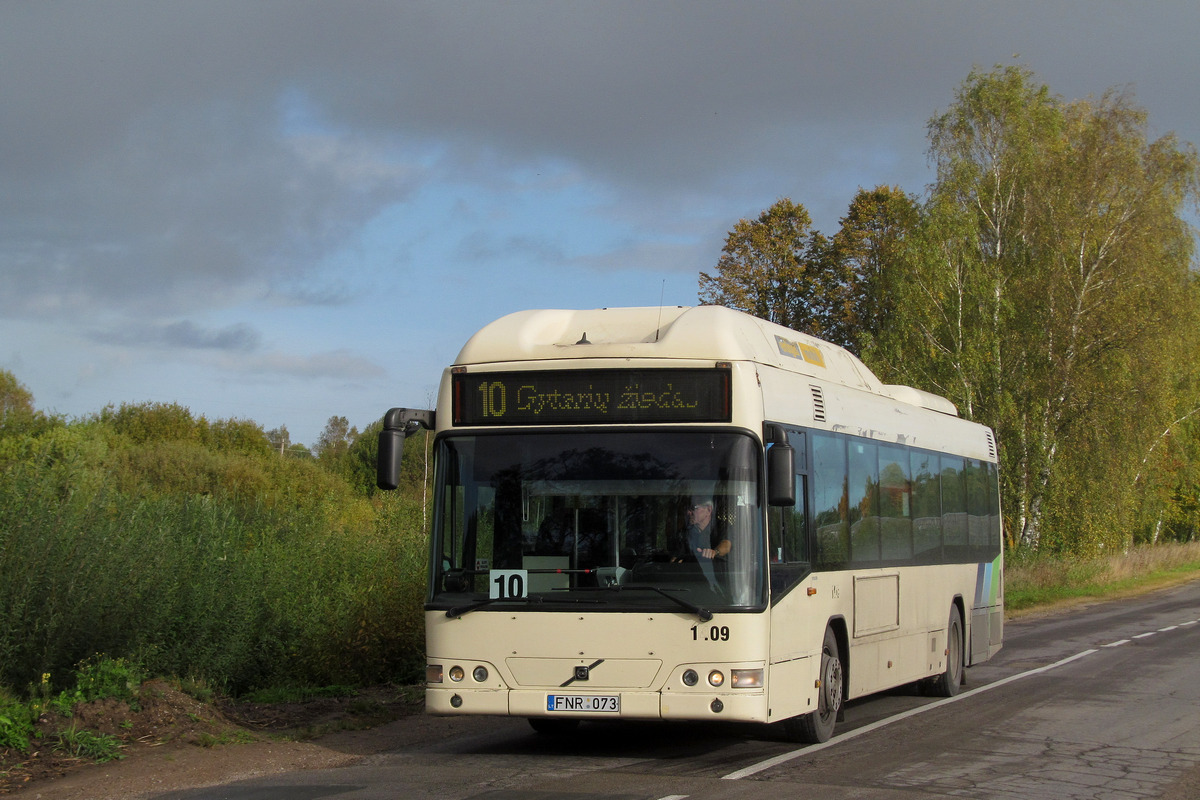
(817,726)
(948,683)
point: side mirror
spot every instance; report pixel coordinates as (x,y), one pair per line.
(391,450)
(781,474)
(397,423)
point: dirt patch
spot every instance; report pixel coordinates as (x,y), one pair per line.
(167,740)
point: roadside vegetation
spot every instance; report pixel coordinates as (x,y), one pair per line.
(194,549)
(1044,583)
(143,541)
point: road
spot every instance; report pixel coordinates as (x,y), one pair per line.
(1101,703)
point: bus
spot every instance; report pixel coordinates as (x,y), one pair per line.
(690,513)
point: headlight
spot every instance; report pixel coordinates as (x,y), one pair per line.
(480,674)
(716,678)
(746,679)
(456,674)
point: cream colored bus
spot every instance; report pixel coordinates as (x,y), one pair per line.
(693,514)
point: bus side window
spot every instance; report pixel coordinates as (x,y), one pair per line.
(795,545)
(795,527)
(777,521)
(831,534)
(788,528)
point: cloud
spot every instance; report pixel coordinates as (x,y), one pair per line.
(197,155)
(184,334)
(131,176)
(483,246)
(686,258)
(340,364)
(239,338)
(342,174)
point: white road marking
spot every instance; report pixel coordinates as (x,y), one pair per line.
(874,726)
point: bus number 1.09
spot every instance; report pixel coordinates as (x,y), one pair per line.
(717,633)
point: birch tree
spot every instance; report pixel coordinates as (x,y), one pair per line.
(1044,293)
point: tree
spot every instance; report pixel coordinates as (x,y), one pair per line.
(335,440)
(776,268)
(1048,292)
(17,414)
(1044,286)
(866,251)
(280,439)
(154,422)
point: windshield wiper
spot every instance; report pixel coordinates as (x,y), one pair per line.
(703,613)
(458,611)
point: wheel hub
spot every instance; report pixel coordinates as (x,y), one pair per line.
(831,685)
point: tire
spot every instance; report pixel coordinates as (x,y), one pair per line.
(949,682)
(817,726)
(553,727)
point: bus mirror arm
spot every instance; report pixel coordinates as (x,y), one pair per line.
(397,424)
(781,474)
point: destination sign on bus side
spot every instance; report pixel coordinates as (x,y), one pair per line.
(580,397)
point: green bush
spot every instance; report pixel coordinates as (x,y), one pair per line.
(145,535)
(16,724)
(101,677)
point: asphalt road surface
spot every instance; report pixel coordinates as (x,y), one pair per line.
(1101,703)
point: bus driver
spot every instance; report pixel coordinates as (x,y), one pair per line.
(700,540)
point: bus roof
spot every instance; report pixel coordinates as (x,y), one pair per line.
(713,333)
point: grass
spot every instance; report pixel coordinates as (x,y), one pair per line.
(210,740)
(16,724)
(82,743)
(1033,584)
(239,597)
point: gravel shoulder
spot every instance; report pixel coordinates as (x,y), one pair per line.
(172,742)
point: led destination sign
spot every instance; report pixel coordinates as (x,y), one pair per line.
(581,397)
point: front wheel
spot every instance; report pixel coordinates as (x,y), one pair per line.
(817,726)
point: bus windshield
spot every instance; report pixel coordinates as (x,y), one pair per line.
(607,520)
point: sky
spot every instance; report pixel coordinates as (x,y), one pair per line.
(288,211)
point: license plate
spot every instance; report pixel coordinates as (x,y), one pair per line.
(605,703)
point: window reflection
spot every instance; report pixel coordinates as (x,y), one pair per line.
(585,512)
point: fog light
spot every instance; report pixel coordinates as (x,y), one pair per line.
(690,678)
(480,674)
(457,674)
(717,706)
(746,678)
(433,673)
(716,678)
(456,702)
